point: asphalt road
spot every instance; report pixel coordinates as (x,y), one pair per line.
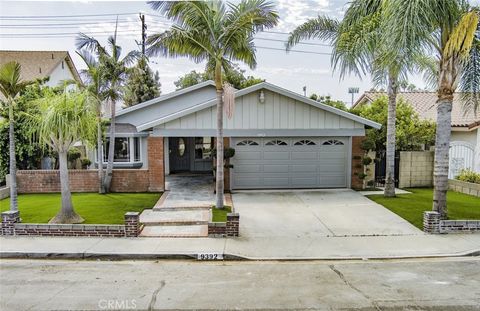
(427,284)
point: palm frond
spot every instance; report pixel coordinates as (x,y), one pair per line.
(322,27)
(470,79)
(462,36)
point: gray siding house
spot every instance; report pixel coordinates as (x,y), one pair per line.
(282,140)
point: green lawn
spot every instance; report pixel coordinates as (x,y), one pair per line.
(411,206)
(220,215)
(93,207)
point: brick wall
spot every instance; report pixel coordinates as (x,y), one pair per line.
(464,187)
(43,181)
(230,228)
(156,168)
(434,225)
(11,226)
(217,229)
(416,169)
(357,155)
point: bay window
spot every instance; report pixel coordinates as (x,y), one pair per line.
(127,150)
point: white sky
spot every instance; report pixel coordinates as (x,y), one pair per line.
(291,71)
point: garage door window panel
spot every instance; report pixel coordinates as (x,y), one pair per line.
(276,142)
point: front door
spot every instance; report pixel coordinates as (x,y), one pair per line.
(179,154)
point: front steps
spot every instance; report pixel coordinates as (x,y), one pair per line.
(175,222)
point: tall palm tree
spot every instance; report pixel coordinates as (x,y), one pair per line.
(114,72)
(357,47)
(450,30)
(64,119)
(93,77)
(218,34)
(10,86)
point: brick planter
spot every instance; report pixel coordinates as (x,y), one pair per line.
(464,187)
(230,228)
(11,226)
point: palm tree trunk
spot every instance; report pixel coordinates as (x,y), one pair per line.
(13,161)
(101,188)
(390,154)
(442,146)
(219,187)
(111,148)
(66,215)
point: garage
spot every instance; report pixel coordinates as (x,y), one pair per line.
(290,162)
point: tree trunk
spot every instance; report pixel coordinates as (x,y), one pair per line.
(390,154)
(13,160)
(442,145)
(111,148)
(219,174)
(101,188)
(66,215)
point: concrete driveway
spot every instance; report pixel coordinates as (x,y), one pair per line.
(336,212)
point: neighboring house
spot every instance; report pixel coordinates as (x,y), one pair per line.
(57,65)
(465,135)
(281,139)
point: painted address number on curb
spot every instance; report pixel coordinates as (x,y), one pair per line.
(209,256)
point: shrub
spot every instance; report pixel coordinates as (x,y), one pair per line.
(85,162)
(469,176)
(367,160)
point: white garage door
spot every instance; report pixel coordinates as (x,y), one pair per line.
(285,162)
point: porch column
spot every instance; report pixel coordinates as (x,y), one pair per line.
(156,172)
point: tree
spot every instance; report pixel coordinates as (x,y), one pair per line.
(411,132)
(95,85)
(358,47)
(114,72)
(65,119)
(218,34)
(450,30)
(10,86)
(142,84)
(326,100)
(235,76)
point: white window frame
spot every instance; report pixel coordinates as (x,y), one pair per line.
(131,146)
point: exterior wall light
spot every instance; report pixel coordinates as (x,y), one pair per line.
(261,97)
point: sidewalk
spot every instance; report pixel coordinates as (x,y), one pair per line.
(368,247)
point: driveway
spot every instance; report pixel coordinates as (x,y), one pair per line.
(319,213)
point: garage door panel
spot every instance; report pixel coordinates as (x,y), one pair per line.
(290,166)
(276,155)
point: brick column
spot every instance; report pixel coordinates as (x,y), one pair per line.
(357,165)
(156,172)
(431,222)
(9,219)
(132,224)
(233,223)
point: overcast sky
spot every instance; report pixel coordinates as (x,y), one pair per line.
(292,71)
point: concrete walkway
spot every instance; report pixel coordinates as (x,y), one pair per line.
(244,248)
(188,191)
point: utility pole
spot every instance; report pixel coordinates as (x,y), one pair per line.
(144,34)
(353,91)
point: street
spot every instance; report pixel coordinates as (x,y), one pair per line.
(416,284)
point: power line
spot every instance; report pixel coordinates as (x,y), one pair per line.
(284,41)
(60,16)
(296,51)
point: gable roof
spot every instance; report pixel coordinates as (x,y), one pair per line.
(39,64)
(253,88)
(424,103)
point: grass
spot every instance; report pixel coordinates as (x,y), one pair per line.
(220,215)
(93,207)
(411,206)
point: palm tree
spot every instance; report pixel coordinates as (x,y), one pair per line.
(450,30)
(10,86)
(95,85)
(218,34)
(358,48)
(114,72)
(65,119)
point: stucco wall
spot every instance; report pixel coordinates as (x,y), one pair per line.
(416,169)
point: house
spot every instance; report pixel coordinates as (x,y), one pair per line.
(281,139)
(57,65)
(465,135)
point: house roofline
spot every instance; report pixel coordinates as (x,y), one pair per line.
(165,97)
(257,87)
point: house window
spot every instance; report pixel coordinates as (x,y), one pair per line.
(332,142)
(247,143)
(304,142)
(127,150)
(203,148)
(276,142)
